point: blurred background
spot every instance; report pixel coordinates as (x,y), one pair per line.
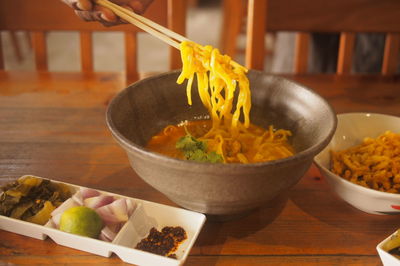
(204,26)
(204,21)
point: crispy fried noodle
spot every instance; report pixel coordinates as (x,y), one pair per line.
(375,163)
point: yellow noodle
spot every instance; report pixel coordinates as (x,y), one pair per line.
(169,130)
(217,91)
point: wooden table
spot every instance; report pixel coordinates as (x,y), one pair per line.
(53,126)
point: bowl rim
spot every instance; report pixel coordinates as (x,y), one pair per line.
(345,181)
(365,114)
(310,152)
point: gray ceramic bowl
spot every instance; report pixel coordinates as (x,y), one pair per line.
(144,108)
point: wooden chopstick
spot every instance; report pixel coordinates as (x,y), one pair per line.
(170,37)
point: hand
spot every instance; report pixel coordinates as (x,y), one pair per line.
(89,11)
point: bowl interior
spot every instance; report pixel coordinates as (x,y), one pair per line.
(145,107)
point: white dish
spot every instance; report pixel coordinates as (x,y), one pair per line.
(352,128)
(387,258)
(146,215)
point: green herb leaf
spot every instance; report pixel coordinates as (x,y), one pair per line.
(196,150)
(189,143)
(214,157)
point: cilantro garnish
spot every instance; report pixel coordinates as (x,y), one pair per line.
(196,150)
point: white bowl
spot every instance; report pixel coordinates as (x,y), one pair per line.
(352,128)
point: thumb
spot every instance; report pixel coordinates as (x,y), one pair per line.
(85,5)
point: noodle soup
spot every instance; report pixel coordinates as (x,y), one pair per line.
(250,145)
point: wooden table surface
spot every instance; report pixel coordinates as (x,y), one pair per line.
(53,126)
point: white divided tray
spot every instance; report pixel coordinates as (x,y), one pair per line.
(146,215)
(387,258)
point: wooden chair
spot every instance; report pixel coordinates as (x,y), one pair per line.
(41,16)
(346,17)
(233,19)
(234,16)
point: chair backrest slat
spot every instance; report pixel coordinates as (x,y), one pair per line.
(345,54)
(255,51)
(39,46)
(86,44)
(301,52)
(234,12)
(131,56)
(1,54)
(391,54)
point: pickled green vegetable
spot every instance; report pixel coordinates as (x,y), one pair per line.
(32,199)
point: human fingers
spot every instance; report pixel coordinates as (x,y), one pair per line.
(95,16)
(80,5)
(105,14)
(108,16)
(139,6)
(88,11)
(100,14)
(84,4)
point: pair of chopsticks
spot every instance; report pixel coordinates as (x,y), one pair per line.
(170,37)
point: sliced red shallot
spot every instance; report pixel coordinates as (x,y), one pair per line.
(120,210)
(98,201)
(106,215)
(89,192)
(131,206)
